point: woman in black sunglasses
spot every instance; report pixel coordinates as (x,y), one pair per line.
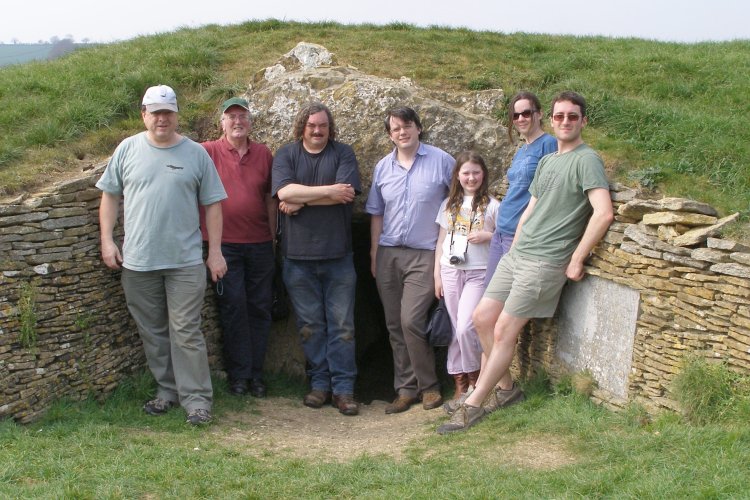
(525,116)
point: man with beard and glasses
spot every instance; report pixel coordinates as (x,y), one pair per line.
(316,179)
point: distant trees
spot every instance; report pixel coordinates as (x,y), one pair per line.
(60,47)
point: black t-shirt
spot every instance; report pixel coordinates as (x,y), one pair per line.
(317,232)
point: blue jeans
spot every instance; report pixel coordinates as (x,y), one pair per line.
(244,296)
(322,294)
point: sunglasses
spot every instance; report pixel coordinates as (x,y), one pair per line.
(526,113)
(572,117)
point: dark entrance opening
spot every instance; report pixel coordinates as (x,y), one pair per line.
(374,355)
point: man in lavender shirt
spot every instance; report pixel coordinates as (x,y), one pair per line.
(407,188)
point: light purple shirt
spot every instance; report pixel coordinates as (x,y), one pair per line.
(409,199)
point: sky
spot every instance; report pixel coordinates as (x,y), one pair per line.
(112,20)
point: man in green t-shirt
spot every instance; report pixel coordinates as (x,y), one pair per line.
(569,212)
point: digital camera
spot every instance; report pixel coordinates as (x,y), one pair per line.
(458,246)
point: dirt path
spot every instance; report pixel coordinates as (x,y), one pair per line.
(285,426)
(282,427)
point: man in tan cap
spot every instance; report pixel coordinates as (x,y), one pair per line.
(163,177)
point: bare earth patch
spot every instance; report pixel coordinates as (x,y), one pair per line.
(283,427)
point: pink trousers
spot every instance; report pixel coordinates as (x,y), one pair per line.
(462,291)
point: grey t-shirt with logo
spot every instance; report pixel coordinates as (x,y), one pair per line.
(161,190)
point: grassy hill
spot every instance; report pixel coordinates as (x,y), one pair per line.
(667,115)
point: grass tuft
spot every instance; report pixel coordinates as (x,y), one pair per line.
(711,392)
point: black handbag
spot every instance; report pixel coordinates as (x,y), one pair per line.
(439,326)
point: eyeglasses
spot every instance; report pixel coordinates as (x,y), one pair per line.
(241,117)
(572,117)
(526,113)
(313,126)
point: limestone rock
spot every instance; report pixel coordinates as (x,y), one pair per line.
(453,121)
(741,257)
(732,269)
(685,218)
(709,255)
(618,227)
(624,196)
(647,229)
(666,233)
(636,234)
(731,245)
(638,208)
(685,261)
(699,235)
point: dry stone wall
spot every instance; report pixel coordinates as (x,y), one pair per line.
(65,331)
(691,299)
(78,339)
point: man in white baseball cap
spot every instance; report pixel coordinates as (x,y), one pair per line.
(163,177)
(160,98)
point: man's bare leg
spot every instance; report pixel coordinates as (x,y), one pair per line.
(496,370)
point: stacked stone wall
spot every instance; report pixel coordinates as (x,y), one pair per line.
(65,331)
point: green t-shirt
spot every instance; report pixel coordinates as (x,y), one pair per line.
(562,211)
(161,190)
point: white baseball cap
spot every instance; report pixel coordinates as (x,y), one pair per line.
(159,98)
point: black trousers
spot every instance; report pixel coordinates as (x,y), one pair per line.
(244,297)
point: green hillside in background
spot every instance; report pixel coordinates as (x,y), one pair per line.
(667,116)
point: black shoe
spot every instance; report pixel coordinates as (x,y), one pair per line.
(238,387)
(257,388)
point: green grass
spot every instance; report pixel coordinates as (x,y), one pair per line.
(711,393)
(555,444)
(673,116)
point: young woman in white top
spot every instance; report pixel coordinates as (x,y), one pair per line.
(467,221)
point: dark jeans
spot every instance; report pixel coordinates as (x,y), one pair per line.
(244,296)
(322,293)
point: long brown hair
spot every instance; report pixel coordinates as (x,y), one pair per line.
(533,99)
(300,121)
(456,192)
